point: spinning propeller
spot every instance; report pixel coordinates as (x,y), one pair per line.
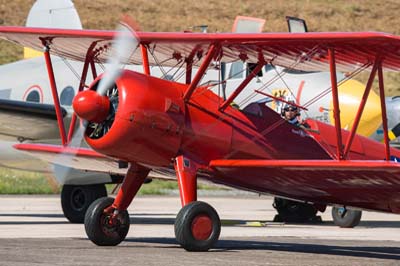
(97,106)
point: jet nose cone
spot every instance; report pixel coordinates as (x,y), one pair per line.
(91,106)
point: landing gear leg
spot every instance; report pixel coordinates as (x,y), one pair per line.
(346,218)
(107,220)
(197,225)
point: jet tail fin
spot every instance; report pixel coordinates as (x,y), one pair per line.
(248,24)
(296,25)
(51,14)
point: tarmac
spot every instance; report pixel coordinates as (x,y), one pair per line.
(33,231)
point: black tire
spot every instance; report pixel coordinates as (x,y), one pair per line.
(346,218)
(97,228)
(76,199)
(184,223)
(291,211)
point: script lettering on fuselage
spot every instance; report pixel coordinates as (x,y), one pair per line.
(324,117)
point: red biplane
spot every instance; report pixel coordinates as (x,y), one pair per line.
(156,124)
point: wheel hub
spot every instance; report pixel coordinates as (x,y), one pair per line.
(201,227)
(78,199)
(342,211)
(110,224)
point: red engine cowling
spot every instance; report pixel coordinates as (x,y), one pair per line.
(145,119)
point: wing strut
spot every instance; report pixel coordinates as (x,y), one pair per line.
(210,55)
(145,59)
(56,100)
(189,67)
(189,64)
(336,109)
(361,107)
(93,68)
(88,60)
(243,85)
(343,151)
(383,111)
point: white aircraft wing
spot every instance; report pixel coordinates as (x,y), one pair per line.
(28,120)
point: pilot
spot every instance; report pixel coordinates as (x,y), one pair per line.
(292,115)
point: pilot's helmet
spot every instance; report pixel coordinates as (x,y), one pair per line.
(289,107)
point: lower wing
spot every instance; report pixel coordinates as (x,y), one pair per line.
(83,159)
(371,185)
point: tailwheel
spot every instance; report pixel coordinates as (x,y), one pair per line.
(346,218)
(103,225)
(197,226)
(291,211)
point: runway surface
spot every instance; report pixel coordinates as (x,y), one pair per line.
(33,231)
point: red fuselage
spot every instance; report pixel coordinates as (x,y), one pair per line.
(153,125)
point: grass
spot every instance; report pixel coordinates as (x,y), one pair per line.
(23,182)
(161,187)
(156,187)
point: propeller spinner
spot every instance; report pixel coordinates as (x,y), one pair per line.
(91,106)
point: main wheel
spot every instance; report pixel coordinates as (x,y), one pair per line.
(75,200)
(197,226)
(293,211)
(346,218)
(102,227)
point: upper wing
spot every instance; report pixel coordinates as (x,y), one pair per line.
(302,51)
(28,120)
(363,184)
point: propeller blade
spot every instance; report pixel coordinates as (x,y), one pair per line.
(123,47)
(62,162)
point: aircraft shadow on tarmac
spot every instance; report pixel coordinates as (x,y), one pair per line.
(376,252)
(32,215)
(150,218)
(139,218)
